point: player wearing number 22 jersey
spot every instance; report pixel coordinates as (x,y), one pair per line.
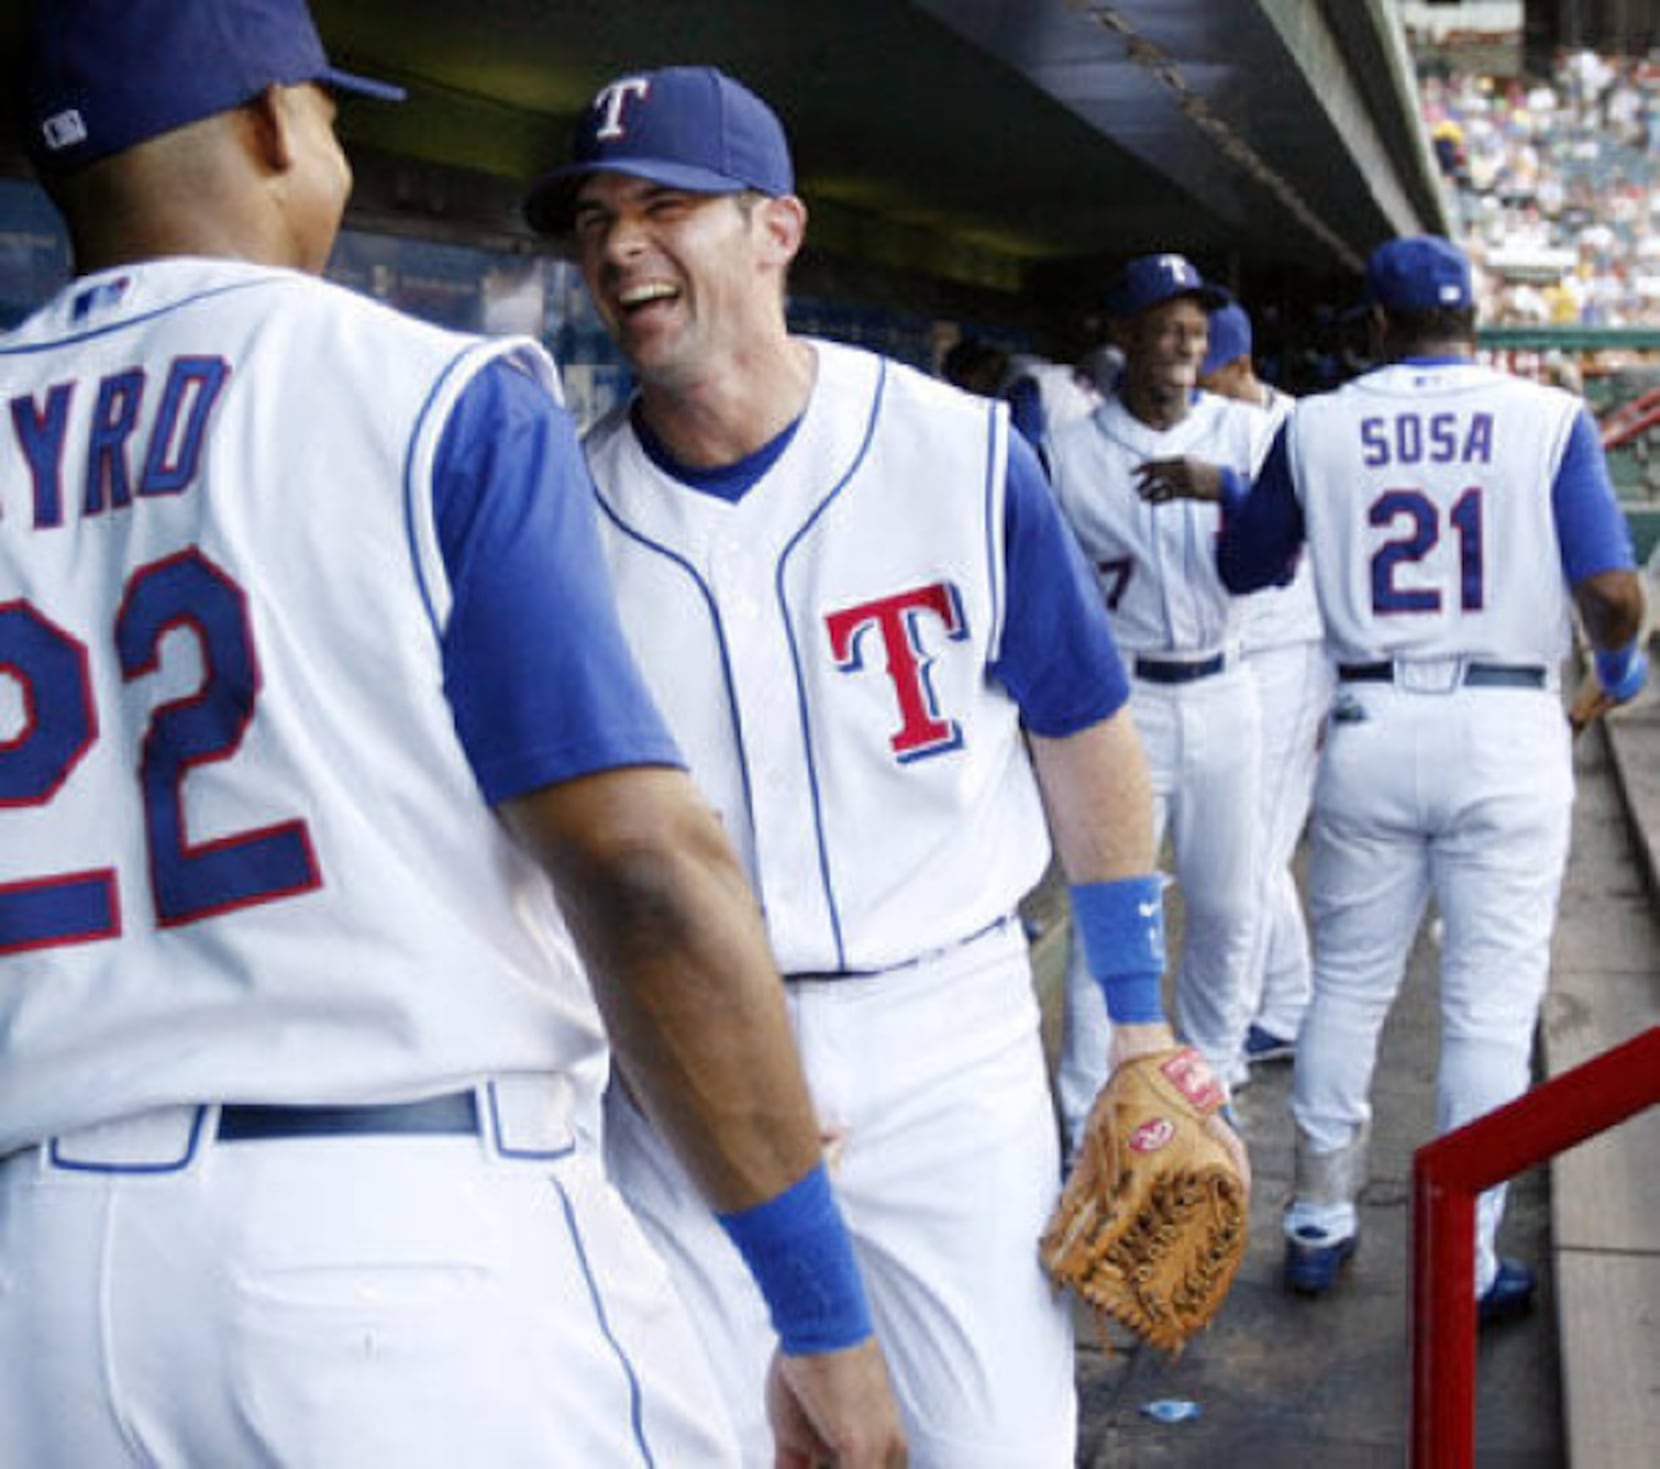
(322,757)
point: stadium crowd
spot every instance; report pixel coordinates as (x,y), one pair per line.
(1553,180)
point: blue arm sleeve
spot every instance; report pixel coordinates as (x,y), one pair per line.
(536,669)
(1058,659)
(1590,528)
(1262,528)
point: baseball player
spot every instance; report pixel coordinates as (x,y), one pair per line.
(295,1048)
(850,593)
(1453,516)
(1283,641)
(1193,700)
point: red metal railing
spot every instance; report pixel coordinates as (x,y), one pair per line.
(1621,426)
(1447,1175)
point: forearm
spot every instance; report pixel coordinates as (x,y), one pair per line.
(692,1002)
(1611,607)
(1099,797)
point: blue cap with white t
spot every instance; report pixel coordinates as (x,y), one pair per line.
(1151,280)
(102,76)
(686,127)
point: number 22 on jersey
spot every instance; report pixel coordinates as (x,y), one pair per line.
(60,723)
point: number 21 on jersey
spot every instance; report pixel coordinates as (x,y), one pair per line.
(1413,528)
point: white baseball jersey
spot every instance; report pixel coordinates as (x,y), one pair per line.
(1429,518)
(1156,563)
(872,777)
(245,855)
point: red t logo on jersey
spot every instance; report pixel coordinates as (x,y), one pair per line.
(921,731)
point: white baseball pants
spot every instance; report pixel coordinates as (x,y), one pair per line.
(1294,683)
(929,1083)
(1466,795)
(332,1303)
(1202,741)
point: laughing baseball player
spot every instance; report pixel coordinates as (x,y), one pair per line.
(296,1049)
(1454,517)
(854,600)
(1193,701)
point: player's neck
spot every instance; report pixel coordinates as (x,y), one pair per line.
(1399,349)
(723,416)
(1157,405)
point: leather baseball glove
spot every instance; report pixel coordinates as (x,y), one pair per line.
(1150,1228)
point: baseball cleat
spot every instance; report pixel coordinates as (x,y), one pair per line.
(1262,1045)
(1510,1295)
(1312,1261)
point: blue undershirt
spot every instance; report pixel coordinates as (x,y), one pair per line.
(1058,659)
(1262,522)
(536,668)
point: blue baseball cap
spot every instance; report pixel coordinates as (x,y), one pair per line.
(104,75)
(1230,337)
(1419,273)
(1151,280)
(688,127)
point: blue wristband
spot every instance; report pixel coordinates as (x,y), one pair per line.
(1121,926)
(798,1250)
(1622,672)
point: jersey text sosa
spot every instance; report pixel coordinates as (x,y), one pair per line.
(1438,438)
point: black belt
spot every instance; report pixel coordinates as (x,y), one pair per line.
(1476,675)
(1166,670)
(454,1115)
(821,976)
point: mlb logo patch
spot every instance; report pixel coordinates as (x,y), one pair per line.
(64,130)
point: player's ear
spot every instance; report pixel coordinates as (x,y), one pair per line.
(783,226)
(270,128)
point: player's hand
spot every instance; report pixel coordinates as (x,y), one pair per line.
(1159,480)
(1591,701)
(835,1409)
(1130,1041)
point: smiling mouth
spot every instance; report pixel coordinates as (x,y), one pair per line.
(638,298)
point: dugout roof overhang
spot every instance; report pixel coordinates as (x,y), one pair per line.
(1010,149)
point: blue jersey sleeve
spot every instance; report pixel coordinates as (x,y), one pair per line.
(1262,524)
(1590,527)
(1059,661)
(536,668)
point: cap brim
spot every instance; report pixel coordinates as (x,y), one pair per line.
(345,81)
(550,204)
(1209,297)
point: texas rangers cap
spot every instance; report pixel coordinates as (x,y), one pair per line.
(104,75)
(1151,280)
(688,127)
(1230,337)
(1418,273)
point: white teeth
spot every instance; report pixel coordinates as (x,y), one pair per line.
(651,291)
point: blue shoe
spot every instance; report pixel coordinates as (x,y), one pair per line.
(1262,1045)
(1312,1261)
(1510,1295)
